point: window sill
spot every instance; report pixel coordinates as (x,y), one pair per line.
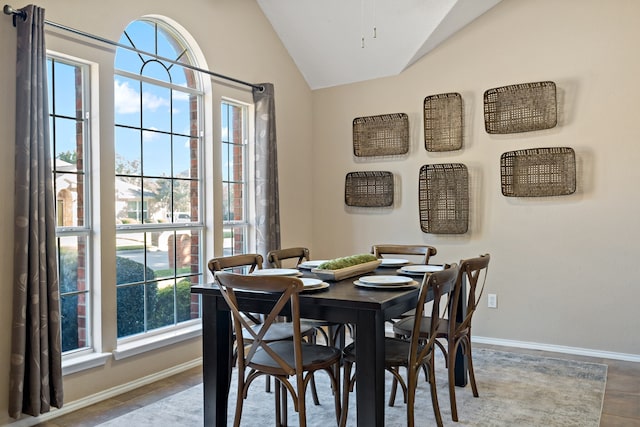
(143,345)
(72,365)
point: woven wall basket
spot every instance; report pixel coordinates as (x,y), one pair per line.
(443,198)
(443,122)
(538,172)
(520,108)
(369,189)
(383,135)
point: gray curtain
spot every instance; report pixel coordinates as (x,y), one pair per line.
(266,167)
(35,382)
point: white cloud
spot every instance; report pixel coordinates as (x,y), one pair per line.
(127,99)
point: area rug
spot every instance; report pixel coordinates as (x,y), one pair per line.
(515,390)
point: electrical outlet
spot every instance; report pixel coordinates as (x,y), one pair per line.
(492,301)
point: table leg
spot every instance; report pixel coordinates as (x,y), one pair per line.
(370,369)
(216,361)
(460,372)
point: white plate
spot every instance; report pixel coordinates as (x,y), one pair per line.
(316,287)
(393,262)
(421,268)
(385,280)
(276,272)
(311,264)
(410,284)
(310,282)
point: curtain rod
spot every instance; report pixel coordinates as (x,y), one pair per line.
(8,10)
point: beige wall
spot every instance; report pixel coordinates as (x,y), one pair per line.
(565,269)
(236,40)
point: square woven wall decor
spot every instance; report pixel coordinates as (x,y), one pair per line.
(520,108)
(443,198)
(443,122)
(383,135)
(369,189)
(538,172)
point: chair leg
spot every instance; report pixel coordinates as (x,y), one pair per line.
(314,391)
(472,377)
(434,393)
(452,381)
(394,389)
(346,388)
(278,405)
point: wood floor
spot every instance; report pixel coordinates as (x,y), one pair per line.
(621,406)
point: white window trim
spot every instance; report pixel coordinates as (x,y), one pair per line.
(145,343)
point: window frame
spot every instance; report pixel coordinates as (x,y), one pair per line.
(94,313)
(199,227)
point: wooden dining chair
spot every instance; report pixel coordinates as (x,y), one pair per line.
(246,264)
(291,362)
(457,334)
(415,354)
(424,251)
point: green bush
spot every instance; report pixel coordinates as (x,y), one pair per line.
(163,314)
(69,304)
(131,299)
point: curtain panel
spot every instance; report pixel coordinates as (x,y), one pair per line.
(35,379)
(266,171)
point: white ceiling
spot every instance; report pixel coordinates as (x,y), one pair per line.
(325,37)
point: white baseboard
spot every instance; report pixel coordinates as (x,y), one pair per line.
(106,394)
(558,349)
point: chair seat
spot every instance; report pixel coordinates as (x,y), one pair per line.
(278,331)
(314,357)
(403,327)
(396,352)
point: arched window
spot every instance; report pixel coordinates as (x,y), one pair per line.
(158,179)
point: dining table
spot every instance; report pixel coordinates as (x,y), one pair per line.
(367,309)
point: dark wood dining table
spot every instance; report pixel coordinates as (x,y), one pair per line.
(341,302)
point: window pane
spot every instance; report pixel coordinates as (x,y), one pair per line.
(131,313)
(182,107)
(128,151)
(156,107)
(126,93)
(74,303)
(66,137)
(155,147)
(234,240)
(69,200)
(65,89)
(185,157)
(129,200)
(161,302)
(183,200)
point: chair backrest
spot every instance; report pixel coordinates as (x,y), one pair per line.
(275,257)
(287,289)
(425,251)
(474,271)
(236,263)
(434,286)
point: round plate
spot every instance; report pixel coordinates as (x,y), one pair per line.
(276,272)
(310,282)
(311,264)
(321,285)
(393,262)
(385,280)
(420,268)
(408,285)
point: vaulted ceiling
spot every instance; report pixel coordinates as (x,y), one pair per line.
(335,42)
